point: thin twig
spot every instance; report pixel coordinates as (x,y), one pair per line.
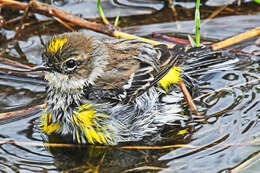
(171,4)
(236,39)
(214,14)
(11,21)
(64,24)
(25,14)
(144,168)
(175,13)
(120,34)
(188,98)
(158,147)
(18,48)
(171,39)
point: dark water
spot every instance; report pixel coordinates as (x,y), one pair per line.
(227,137)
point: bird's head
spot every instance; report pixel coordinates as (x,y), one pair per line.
(71,60)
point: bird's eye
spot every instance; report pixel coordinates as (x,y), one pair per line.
(71,64)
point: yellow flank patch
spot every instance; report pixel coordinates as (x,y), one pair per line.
(88,120)
(46,125)
(56,44)
(172,77)
(85,117)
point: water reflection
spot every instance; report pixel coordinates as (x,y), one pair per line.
(233,123)
(23,155)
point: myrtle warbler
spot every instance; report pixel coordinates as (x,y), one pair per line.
(106,91)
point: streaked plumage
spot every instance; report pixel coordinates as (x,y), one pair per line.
(106,91)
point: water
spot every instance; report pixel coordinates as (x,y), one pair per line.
(224,139)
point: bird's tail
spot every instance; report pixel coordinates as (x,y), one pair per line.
(203,60)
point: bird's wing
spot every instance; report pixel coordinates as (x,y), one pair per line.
(148,76)
(133,67)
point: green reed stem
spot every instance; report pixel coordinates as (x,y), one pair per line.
(197,22)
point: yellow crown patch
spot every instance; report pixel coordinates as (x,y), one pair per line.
(56,44)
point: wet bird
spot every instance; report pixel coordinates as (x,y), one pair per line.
(106,91)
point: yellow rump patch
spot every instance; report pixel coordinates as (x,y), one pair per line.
(56,44)
(183,132)
(172,77)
